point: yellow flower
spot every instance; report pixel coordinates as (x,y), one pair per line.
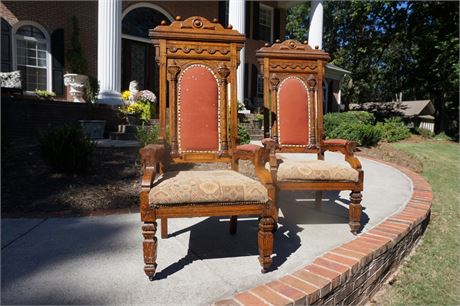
(125,95)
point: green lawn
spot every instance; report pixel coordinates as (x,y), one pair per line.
(432,276)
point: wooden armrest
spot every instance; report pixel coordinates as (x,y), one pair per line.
(258,155)
(346,147)
(152,157)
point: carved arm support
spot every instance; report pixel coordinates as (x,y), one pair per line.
(153,158)
(259,156)
(346,147)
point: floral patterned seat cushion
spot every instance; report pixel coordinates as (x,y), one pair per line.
(314,170)
(214,186)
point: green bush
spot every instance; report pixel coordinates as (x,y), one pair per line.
(66,149)
(364,134)
(147,134)
(333,121)
(243,135)
(355,125)
(394,129)
(92,89)
(425,133)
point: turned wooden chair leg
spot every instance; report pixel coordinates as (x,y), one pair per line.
(233,224)
(164,228)
(265,241)
(354,211)
(318,199)
(149,230)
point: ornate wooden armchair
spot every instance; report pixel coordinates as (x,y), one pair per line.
(198,61)
(293,74)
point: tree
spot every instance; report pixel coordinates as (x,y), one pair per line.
(393,49)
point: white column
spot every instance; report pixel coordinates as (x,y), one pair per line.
(315,33)
(109,51)
(236,17)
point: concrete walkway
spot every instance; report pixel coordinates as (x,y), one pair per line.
(98,260)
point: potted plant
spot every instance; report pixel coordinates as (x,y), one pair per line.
(76,79)
(139,106)
(258,121)
(44,94)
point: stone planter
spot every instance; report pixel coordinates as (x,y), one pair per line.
(258,124)
(77,84)
(133,119)
(94,129)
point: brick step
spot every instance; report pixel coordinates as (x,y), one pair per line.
(256,137)
(254,131)
(127,128)
(252,125)
(122,136)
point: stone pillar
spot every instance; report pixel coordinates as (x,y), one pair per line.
(315,33)
(109,51)
(236,17)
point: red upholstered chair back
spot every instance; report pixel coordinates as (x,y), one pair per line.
(198,110)
(293,112)
(198,61)
(293,72)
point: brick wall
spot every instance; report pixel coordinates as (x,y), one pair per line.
(352,273)
(25,118)
(54,15)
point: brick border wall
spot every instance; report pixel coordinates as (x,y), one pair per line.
(352,273)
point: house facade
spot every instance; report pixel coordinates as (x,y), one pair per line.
(115,42)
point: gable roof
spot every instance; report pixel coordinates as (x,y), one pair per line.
(406,108)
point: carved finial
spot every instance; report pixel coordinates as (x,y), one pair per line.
(163,22)
(316,47)
(178,18)
(267,45)
(230,27)
(215,20)
(277,41)
(305,42)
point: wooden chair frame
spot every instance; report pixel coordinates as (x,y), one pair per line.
(182,44)
(290,59)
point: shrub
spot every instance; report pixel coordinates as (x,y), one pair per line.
(147,134)
(355,125)
(243,135)
(76,62)
(92,89)
(394,129)
(45,94)
(425,133)
(444,136)
(363,134)
(66,149)
(333,121)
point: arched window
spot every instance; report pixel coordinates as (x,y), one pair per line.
(32,56)
(137,49)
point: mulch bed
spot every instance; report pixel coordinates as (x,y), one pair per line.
(29,187)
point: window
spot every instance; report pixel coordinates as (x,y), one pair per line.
(260,86)
(265,23)
(32,58)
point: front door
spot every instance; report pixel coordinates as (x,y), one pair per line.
(139,65)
